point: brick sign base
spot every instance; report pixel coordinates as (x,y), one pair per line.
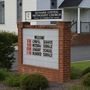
(60,75)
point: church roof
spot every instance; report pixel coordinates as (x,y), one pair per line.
(70,3)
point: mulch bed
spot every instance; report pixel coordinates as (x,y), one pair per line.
(5,87)
(53,86)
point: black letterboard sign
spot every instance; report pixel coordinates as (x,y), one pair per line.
(46,14)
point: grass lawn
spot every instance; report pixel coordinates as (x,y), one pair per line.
(81,65)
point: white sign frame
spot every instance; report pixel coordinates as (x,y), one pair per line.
(45,62)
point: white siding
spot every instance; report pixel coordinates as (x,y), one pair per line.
(85,15)
(43,4)
(85,4)
(29,5)
(70,14)
(10,16)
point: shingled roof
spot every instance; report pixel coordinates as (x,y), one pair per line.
(70,3)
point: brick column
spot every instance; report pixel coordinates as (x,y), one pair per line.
(64,50)
(20,26)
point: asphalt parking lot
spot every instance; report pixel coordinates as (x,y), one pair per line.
(77,54)
(80,53)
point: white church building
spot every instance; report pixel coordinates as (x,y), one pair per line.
(75,11)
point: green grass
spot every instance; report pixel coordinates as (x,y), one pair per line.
(78,87)
(81,65)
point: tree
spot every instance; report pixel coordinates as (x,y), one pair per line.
(7,49)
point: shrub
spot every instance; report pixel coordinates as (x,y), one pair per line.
(24,81)
(34,82)
(12,80)
(87,70)
(3,74)
(7,49)
(86,79)
(75,73)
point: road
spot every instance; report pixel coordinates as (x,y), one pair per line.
(77,54)
(80,53)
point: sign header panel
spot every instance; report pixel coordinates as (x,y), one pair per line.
(43,15)
(50,14)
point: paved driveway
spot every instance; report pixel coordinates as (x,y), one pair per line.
(80,53)
(77,54)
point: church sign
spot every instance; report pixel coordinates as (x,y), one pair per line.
(45,49)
